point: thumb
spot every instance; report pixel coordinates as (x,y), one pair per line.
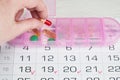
(25,25)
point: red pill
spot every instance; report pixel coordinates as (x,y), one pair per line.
(47,22)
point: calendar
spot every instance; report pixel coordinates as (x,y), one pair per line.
(60,58)
(60,63)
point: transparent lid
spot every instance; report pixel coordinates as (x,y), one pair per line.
(75,32)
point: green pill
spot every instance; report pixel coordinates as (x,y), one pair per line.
(34,38)
(51,39)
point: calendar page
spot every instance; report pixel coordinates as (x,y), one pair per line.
(60,63)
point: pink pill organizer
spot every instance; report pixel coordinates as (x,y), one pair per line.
(73,31)
(76,31)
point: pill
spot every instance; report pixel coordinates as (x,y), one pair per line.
(49,33)
(36,31)
(34,38)
(47,22)
(51,39)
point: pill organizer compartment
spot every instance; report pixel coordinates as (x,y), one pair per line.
(27,40)
(47,40)
(64,31)
(111,30)
(94,31)
(79,31)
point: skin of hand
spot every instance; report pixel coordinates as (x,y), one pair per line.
(10,12)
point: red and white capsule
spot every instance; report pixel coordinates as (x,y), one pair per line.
(47,22)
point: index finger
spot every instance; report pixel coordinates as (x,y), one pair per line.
(38,6)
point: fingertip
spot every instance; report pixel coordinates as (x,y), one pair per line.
(43,15)
(28,24)
(42,11)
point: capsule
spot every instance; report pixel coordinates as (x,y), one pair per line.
(49,34)
(36,31)
(47,22)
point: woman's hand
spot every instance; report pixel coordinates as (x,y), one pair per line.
(10,12)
